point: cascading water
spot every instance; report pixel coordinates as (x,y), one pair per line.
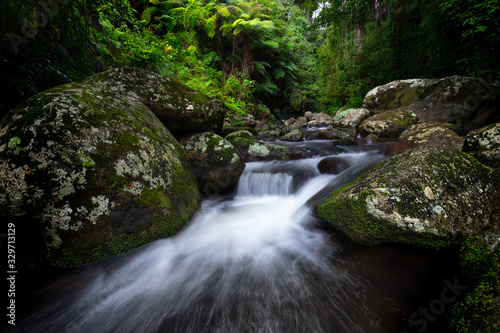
(251,264)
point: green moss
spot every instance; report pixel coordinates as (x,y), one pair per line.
(479,311)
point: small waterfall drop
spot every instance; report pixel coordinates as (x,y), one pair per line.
(251,264)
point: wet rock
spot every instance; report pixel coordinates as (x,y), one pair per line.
(388,124)
(425,197)
(434,134)
(181,109)
(294,136)
(216,163)
(350,117)
(454,99)
(253,150)
(262,126)
(337,133)
(240,134)
(74,161)
(318,119)
(228,130)
(370,139)
(484,144)
(333,165)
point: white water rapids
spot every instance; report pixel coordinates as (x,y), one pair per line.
(252,263)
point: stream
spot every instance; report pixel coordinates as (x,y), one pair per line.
(254,261)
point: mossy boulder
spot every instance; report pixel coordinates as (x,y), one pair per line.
(181,109)
(425,197)
(435,134)
(388,124)
(240,134)
(396,94)
(453,99)
(85,174)
(484,144)
(216,163)
(253,150)
(293,136)
(350,117)
(228,130)
(317,119)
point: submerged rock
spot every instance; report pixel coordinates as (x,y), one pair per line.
(85,174)
(181,109)
(426,197)
(434,134)
(216,163)
(388,124)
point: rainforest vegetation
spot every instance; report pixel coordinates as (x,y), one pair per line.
(261,57)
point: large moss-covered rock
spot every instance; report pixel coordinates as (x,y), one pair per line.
(181,109)
(425,197)
(454,99)
(435,134)
(396,94)
(388,124)
(350,117)
(253,150)
(85,174)
(216,163)
(484,144)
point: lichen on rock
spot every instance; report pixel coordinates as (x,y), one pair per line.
(216,163)
(181,109)
(82,153)
(426,197)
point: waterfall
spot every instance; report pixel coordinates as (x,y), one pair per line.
(251,264)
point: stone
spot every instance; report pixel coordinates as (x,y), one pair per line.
(454,99)
(181,109)
(240,134)
(337,134)
(425,197)
(484,144)
(435,134)
(333,165)
(85,174)
(293,136)
(388,124)
(350,117)
(253,150)
(216,163)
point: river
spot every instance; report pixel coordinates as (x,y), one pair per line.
(254,261)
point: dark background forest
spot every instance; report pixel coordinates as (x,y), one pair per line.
(265,58)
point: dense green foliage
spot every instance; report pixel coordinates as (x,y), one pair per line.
(372,42)
(259,57)
(479,310)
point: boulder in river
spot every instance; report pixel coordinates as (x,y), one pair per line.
(253,150)
(181,109)
(425,197)
(333,165)
(350,117)
(85,174)
(388,124)
(294,136)
(453,99)
(435,134)
(484,144)
(216,163)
